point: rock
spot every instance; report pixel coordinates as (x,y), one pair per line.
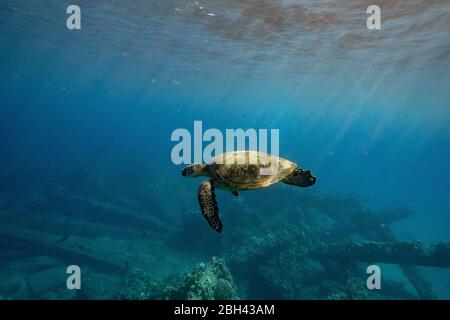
(46,280)
(96,286)
(211,281)
(137,285)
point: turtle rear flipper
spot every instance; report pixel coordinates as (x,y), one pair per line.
(208,205)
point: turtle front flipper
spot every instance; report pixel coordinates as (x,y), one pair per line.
(208,205)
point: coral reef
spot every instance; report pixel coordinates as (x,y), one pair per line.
(97,286)
(210,281)
(137,285)
(314,247)
(352,289)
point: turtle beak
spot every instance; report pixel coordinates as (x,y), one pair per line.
(307,179)
(311,179)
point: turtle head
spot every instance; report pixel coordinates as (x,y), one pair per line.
(194,170)
(301,178)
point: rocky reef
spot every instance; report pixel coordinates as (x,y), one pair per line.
(207,281)
(313,247)
(137,284)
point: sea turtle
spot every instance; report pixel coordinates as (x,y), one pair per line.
(242,170)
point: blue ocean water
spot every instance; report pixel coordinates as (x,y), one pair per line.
(88,114)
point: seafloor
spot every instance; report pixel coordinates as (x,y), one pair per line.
(144,238)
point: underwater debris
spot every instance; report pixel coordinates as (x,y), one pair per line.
(82,248)
(290,272)
(259,246)
(352,218)
(43,281)
(413,253)
(422,286)
(270,256)
(263,246)
(353,289)
(211,281)
(269,238)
